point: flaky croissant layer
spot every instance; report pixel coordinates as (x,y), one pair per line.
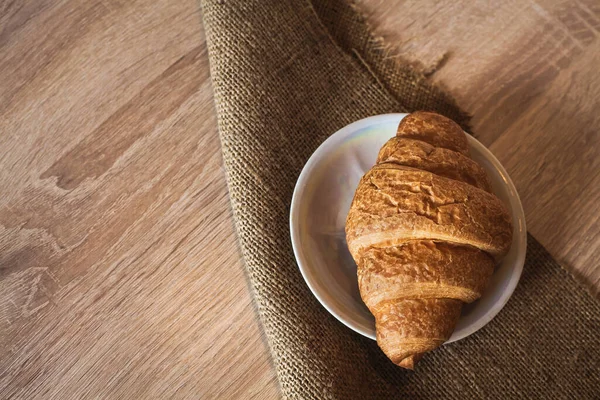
(425,231)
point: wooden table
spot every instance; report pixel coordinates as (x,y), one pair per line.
(120,275)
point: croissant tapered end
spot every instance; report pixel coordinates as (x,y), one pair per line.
(410,362)
(434,129)
(416,291)
(408,328)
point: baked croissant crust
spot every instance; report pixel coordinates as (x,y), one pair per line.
(425,232)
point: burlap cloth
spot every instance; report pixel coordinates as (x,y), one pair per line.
(286,75)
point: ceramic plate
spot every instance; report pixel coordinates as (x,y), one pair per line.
(318,212)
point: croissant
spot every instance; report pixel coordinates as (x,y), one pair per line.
(425,232)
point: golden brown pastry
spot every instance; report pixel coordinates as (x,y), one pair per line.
(425,232)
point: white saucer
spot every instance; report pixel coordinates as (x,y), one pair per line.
(318,212)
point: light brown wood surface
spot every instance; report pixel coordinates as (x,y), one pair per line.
(120,275)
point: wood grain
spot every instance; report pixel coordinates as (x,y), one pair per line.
(120,275)
(119,270)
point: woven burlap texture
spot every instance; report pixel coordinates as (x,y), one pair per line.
(286,75)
